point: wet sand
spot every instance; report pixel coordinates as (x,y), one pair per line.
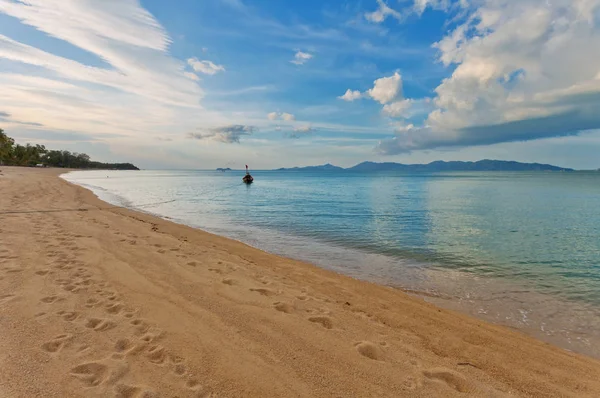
(98,301)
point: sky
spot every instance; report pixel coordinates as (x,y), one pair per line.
(222,83)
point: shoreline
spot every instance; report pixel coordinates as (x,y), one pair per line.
(510,303)
(101,302)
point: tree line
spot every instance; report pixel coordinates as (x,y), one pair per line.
(12,154)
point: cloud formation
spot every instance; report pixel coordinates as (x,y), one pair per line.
(139,87)
(386,89)
(302,131)
(351,95)
(419,6)
(300,58)
(226,134)
(288,117)
(398,108)
(523,71)
(382,12)
(206,67)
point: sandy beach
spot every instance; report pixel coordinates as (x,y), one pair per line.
(99,301)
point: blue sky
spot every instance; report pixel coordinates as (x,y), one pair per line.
(204,84)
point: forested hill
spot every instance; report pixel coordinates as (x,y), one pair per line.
(12,154)
(438,166)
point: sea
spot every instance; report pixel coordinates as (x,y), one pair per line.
(521,249)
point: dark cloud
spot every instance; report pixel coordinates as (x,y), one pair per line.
(559,125)
(29,124)
(300,132)
(5,116)
(227,134)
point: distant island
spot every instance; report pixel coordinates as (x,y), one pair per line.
(481,165)
(28,155)
(223,169)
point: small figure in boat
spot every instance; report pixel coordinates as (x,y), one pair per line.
(248,179)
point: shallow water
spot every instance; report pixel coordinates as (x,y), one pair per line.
(522,249)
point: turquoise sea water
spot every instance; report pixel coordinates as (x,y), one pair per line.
(517,248)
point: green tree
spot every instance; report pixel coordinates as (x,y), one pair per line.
(31,155)
(6,148)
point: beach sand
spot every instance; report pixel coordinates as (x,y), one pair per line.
(97,301)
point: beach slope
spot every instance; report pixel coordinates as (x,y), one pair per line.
(97,301)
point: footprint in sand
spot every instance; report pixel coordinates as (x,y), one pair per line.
(91,373)
(49,299)
(129,314)
(92,302)
(369,350)
(6,298)
(99,325)
(453,379)
(151,336)
(179,369)
(263,291)
(216,270)
(284,307)
(128,391)
(141,327)
(42,272)
(124,346)
(56,344)
(71,288)
(69,316)
(228,281)
(324,321)
(192,264)
(156,354)
(114,308)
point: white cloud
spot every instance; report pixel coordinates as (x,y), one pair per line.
(206,67)
(191,76)
(408,108)
(522,71)
(302,131)
(398,108)
(288,117)
(419,6)
(226,134)
(351,95)
(402,127)
(141,90)
(300,58)
(386,89)
(382,12)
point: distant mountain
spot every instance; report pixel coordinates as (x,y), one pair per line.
(482,165)
(222,169)
(325,167)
